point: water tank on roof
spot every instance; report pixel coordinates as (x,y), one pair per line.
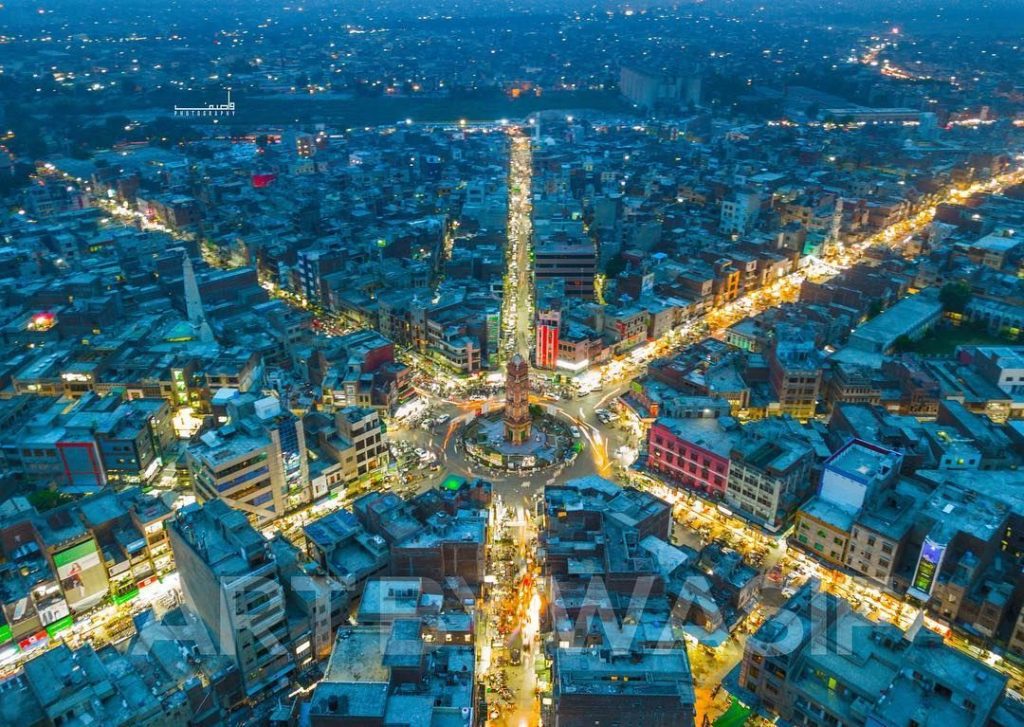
(267,407)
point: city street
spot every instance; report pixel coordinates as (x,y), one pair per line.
(517,313)
(353,294)
(510,619)
(697,523)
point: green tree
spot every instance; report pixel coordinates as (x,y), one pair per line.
(955,296)
(43,500)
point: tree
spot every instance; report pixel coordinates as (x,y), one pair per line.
(902,344)
(614,266)
(955,296)
(43,500)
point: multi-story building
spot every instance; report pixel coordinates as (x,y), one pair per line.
(548,325)
(230,580)
(458,330)
(740,211)
(856,473)
(256,463)
(649,687)
(573,261)
(364,431)
(450,546)
(343,547)
(627,326)
(337,460)
(795,373)
(359,369)
(83,687)
(882,530)
(1002,366)
(419,669)
(769,474)
(650,88)
(819,662)
(313,265)
(129,528)
(621,534)
(692,452)
(131,436)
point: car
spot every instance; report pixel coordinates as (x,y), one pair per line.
(420,452)
(443,419)
(575,431)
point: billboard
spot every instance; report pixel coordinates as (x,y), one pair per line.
(81,573)
(35,641)
(928,565)
(52,611)
(19,610)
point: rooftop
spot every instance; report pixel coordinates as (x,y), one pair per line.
(864,462)
(647,673)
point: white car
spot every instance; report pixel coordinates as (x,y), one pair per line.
(421,453)
(575,431)
(444,419)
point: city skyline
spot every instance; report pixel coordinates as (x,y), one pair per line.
(512,364)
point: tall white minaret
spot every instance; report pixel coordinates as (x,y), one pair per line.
(193,303)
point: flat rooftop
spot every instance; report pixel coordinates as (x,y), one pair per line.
(864,462)
(655,672)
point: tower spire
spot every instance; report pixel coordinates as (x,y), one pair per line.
(193,303)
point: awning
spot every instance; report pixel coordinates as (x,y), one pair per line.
(735,716)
